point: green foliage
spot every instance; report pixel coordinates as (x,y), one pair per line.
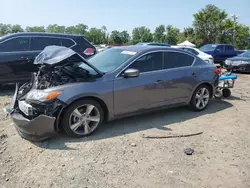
(141,34)
(5,29)
(35,29)
(211,25)
(159,34)
(96,36)
(117,37)
(16,28)
(55,28)
(172,35)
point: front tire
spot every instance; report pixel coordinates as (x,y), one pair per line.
(82,118)
(200,98)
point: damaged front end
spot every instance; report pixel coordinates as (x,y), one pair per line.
(35,109)
(34,120)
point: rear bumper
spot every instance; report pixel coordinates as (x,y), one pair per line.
(37,129)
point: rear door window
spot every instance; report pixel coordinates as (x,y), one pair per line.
(67,42)
(15,45)
(149,62)
(177,59)
(191,51)
(39,43)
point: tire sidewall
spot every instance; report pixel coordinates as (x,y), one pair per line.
(67,112)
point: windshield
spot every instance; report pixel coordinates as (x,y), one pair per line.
(245,54)
(208,47)
(109,59)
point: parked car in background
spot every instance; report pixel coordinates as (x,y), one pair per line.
(102,48)
(206,57)
(220,52)
(78,95)
(153,44)
(240,63)
(18,51)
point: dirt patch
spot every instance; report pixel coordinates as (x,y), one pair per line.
(119,156)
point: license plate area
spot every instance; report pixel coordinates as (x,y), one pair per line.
(26,108)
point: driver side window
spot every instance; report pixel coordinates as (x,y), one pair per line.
(149,62)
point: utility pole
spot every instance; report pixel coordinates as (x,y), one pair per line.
(235,17)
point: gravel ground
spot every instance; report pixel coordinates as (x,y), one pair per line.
(118,156)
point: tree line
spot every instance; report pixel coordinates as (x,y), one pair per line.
(211,25)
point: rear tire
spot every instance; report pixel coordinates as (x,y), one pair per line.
(82,118)
(200,98)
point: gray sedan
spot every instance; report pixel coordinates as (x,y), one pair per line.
(76,95)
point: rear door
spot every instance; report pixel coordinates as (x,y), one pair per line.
(14,64)
(180,76)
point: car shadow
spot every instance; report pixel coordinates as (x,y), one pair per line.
(233,98)
(158,119)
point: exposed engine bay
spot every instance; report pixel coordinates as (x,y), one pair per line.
(51,76)
(58,66)
(54,76)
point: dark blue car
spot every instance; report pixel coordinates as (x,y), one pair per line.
(220,52)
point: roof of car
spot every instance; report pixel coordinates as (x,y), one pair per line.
(147,48)
(153,43)
(183,47)
(40,34)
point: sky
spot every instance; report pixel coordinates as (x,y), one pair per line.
(114,14)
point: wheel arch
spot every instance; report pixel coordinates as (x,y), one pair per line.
(100,101)
(211,89)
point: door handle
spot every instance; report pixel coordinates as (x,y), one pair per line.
(193,74)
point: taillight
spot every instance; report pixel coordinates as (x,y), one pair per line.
(89,51)
(217,71)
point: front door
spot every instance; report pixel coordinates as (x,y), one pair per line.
(142,92)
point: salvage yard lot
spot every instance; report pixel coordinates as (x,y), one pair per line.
(118,156)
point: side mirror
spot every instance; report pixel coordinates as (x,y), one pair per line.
(130,73)
(217,50)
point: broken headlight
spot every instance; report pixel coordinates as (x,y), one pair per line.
(40,95)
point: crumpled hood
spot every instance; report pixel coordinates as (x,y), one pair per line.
(59,56)
(53,55)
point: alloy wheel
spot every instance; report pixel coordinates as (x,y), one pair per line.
(202,98)
(84,119)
